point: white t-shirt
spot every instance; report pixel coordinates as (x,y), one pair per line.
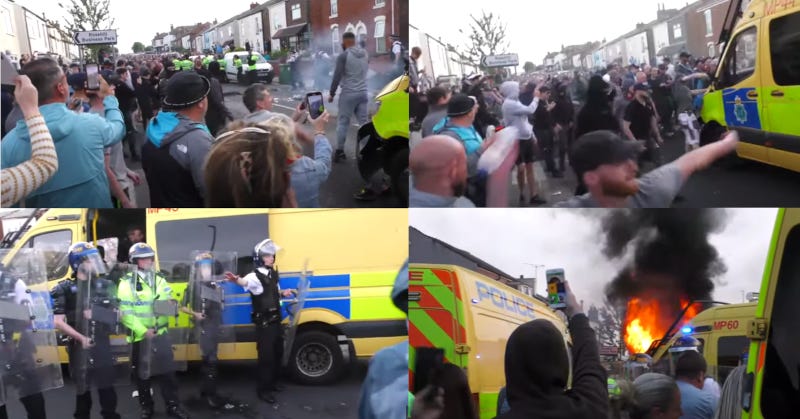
(253,285)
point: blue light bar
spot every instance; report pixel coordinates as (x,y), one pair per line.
(686,330)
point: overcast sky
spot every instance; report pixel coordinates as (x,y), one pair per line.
(572,240)
(140,20)
(536,28)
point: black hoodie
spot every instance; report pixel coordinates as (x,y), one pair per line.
(537,368)
(596,114)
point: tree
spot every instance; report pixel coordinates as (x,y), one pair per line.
(138,47)
(85,15)
(149,48)
(609,327)
(529,67)
(487,37)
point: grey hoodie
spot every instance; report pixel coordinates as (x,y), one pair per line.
(351,71)
(515,114)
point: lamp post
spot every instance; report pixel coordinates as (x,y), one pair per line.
(535,274)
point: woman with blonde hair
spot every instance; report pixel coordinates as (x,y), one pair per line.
(249,166)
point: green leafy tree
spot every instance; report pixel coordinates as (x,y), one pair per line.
(85,15)
(138,47)
(487,36)
(529,67)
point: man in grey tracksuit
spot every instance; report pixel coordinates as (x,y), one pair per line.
(351,72)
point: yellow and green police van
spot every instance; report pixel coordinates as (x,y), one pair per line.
(352,258)
(756,90)
(469,316)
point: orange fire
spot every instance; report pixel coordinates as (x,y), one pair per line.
(647,319)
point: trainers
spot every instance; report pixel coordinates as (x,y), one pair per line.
(339,156)
(267,397)
(177,412)
(536,200)
(366,194)
(521,200)
(147,413)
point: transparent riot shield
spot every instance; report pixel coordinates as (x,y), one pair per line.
(164,349)
(204,299)
(28,347)
(294,308)
(106,362)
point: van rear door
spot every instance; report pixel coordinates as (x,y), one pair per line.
(781,78)
(772,384)
(436,313)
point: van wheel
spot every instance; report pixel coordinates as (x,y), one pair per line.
(316,359)
(269,79)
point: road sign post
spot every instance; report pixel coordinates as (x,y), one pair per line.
(502,60)
(104,37)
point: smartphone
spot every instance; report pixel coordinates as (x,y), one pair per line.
(91,75)
(316,104)
(427,362)
(9,73)
(556,290)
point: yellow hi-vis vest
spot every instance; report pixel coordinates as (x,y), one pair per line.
(237,63)
(137,306)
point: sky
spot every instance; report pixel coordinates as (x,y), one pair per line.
(536,28)
(571,239)
(140,20)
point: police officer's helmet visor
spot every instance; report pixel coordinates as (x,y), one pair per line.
(92,264)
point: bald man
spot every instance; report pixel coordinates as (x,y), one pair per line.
(439,174)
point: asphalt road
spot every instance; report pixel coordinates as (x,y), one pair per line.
(731,182)
(339,400)
(344,180)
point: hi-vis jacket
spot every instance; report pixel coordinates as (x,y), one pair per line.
(137,292)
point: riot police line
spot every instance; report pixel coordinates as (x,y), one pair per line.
(122,328)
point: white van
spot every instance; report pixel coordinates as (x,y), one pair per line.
(263,68)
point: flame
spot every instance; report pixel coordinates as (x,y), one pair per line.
(648,319)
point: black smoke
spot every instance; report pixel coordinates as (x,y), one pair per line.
(671,252)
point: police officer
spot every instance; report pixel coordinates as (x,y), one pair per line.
(206,312)
(88,270)
(138,292)
(252,71)
(12,352)
(265,292)
(237,62)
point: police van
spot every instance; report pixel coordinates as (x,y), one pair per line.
(470,317)
(353,257)
(263,68)
(756,90)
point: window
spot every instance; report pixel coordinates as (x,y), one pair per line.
(782,361)
(335,39)
(785,49)
(177,239)
(740,61)
(7,20)
(709,27)
(380,3)
(729,352)
(54,246)
(296,14)
(677,31)
(711,50)
(380,35)
(334,8)
(361,34)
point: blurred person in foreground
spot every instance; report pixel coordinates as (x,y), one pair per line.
(249,167)
(384,394)
(438,167)
(607,166)
(43,152)
(537,369)
(650,396)
(80,181)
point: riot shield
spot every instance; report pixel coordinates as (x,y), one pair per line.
(204,299)
(29,361)
(106,363)
(166,351)
(294,309)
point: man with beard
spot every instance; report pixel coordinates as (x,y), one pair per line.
(607,165)
(439,173)
(639,122)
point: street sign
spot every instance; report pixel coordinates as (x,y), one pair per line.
(503,60)
(609,350)
(95,37)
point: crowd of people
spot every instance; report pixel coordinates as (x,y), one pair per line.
(608,128)
(537,382)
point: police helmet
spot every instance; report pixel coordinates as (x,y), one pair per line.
(263,248)
(685,343)
(204,258)
(140,251)
(81,252)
